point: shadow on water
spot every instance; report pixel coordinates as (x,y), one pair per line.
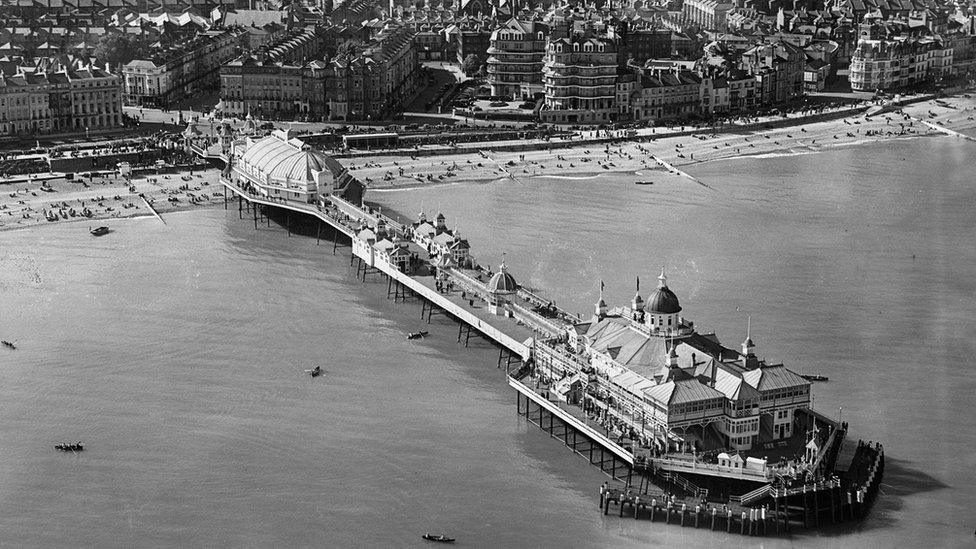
(900,482)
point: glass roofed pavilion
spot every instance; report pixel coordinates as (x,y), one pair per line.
(280,166)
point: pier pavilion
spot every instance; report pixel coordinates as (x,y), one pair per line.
(682,394)
(285,168)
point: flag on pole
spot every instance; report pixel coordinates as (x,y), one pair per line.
(638,284)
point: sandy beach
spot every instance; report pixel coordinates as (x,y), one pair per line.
(25,202)
(664,156)
(107,196)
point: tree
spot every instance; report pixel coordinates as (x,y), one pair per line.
(471,64)
(118,49)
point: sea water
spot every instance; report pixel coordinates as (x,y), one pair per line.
(177,352)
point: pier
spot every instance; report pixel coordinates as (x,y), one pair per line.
(653,462)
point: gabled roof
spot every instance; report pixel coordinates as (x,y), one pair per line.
(684,391)
(771,378)
(383,245)
(425,228)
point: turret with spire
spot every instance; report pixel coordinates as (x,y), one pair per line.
(672,359)
(601,305)
(749,359)
(637,305)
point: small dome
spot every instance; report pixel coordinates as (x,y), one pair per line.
(502,282)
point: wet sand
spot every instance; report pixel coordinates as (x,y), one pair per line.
(26,204)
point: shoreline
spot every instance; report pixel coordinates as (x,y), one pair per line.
(93,219)
(633,157)
(25,204)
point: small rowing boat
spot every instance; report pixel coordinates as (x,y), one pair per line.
(314,372)
(417,335)
(643,182)
(814,377)
(99,231)
(9,344)
(69,447)
(441,538)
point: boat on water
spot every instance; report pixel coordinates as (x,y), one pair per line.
(99,231)
(643,182)
(8,344)
(78,447)
(814,377)
(314,372)
(417,335)
(441,538)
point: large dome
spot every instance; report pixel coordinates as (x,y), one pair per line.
(503,282)
(284,159)
(662,300)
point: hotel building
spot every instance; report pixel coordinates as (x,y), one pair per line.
(580,78)
(515,58)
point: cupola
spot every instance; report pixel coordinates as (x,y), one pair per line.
(661,308)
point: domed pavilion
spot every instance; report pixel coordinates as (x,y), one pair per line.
(501,288)
(661,307)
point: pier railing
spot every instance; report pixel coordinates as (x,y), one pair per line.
(571,419)
(533,318)
(685,484)
(700,468)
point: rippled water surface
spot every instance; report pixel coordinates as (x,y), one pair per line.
(176,353)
